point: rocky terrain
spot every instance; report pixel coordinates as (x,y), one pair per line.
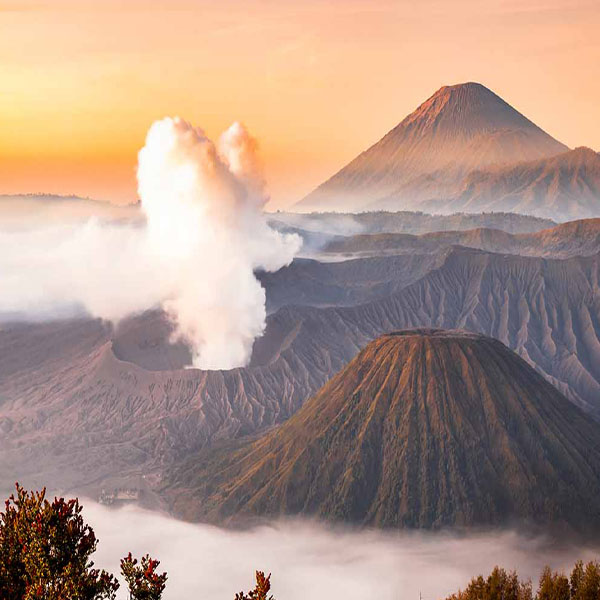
(460,129)
(93,406)
(357,269)
(349,282)
(547,310)
(424,428)
(576,238)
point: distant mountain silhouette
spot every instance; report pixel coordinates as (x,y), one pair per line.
(575,238)
(16,209)
(424,428)
(562,187)
(459,129)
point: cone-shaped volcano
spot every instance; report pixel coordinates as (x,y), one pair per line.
(424,428)
(460,128)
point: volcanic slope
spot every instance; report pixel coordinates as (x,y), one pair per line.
(82,403)
(364,268)
(425,429)
(459,129)
(562,187)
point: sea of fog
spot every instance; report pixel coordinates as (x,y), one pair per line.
(310,561)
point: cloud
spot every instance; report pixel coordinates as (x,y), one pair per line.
(310,561)
(204,235)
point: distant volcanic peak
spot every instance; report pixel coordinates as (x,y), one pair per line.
(460,128)
(472,88)
(466,107)
(466,110)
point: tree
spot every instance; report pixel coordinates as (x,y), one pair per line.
(499,585)
(143,581)
(553,586)
(587,581)
(45,550)
(576,580)
(584,584)
(260,591)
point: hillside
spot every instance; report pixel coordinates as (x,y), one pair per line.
(345,282)
(90,406)
(336,223)
(563,187)
(32,210)
(459,129)
(357,269)
(575,238)
(424,428)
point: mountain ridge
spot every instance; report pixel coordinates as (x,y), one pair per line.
(562,187)
(574,238)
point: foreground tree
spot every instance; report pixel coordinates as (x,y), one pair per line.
(45,554)
(499,585)
(584,584)
(45,550)
(143,581)
(553,586)
(260,591)
(585,581)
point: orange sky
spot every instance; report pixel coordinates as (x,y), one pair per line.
(315,81)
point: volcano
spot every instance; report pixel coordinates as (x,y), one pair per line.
(423,429)
(459,129)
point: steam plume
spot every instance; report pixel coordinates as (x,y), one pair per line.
(195,257)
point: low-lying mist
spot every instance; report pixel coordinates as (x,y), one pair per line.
(309,561)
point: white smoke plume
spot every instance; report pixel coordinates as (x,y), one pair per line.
(205,234)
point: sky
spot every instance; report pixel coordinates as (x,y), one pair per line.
(316,82)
